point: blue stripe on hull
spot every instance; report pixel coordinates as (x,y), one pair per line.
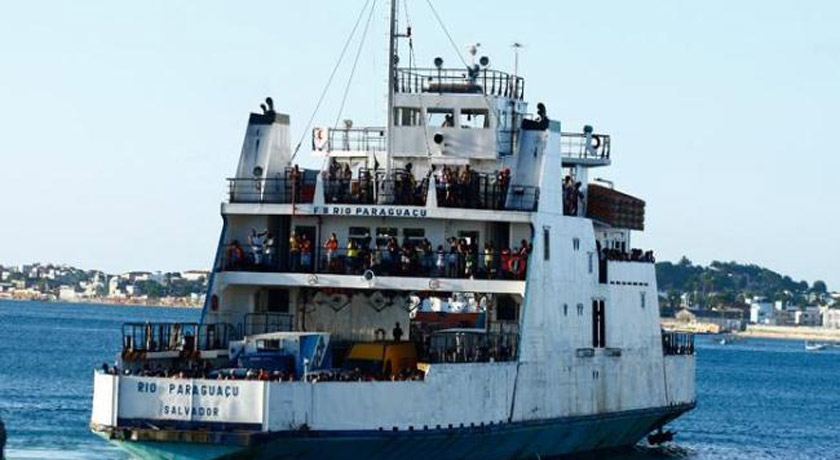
(551,438)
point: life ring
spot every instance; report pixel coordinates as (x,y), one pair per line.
(596,142)
(517,265)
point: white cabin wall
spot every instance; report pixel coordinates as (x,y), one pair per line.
(267,147)
(356,314)
(234,303)
(451,394)
(556,351)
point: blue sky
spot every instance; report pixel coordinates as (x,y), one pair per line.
(119,121)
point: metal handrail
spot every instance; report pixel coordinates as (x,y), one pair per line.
(291,186)
(500,265)
(573,145)
(677,343)
(469,347)
(181,337)
(263,323)
(485,191)
(488,82)
(365,139)
(400,188)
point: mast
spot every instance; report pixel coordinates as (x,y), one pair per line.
(392,81)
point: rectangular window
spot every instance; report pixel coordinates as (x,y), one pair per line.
(474,119)
(360,236)
(546,244)
(407,116)
(642,295)
(383,234)
(599,329)
(576,244)
(591,262)
(414,234)
(440,118)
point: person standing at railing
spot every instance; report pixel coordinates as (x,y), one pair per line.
(452,258)
(305,252)
(440,261)
(506,262)
(424,255)
(294,181)
(352,257)
(270,250)
(331,246)
(393,250)
(346,179)
(256,241)
(235,256)
(489,266)
(294,252)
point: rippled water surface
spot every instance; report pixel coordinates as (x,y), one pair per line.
(757,399)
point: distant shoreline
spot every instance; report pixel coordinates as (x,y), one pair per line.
(792,333)
(106,302)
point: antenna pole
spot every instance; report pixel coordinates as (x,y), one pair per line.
(392,81)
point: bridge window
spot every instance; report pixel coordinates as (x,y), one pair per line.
(474,119)
(443,118)
(407,116)
(360,236)
(383,234)
(414,234)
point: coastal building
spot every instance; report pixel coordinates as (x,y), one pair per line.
(195,275)
(726,320)
(761,311)
(831,318)
(808,316)
(67,294)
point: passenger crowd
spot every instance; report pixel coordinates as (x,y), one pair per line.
(635,255)
(369,188)
(457,259)
(261,252)
(457,186)
(356,375)
(205,372)
(461,187)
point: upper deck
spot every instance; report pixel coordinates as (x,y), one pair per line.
(376,194)
(487,82)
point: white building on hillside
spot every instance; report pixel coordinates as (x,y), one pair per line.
(761,311)
(809,316)
(831,318)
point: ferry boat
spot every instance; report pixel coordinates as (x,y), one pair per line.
(451,286)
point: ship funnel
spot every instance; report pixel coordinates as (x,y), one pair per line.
(266,150)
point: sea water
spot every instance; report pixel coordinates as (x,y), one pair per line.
(757,399)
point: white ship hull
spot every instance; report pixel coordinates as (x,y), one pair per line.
(564,352)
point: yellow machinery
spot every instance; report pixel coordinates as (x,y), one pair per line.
(383,359)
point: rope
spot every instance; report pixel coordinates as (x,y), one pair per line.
(355,62)
(411,60)
(329,81)
(446,31)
